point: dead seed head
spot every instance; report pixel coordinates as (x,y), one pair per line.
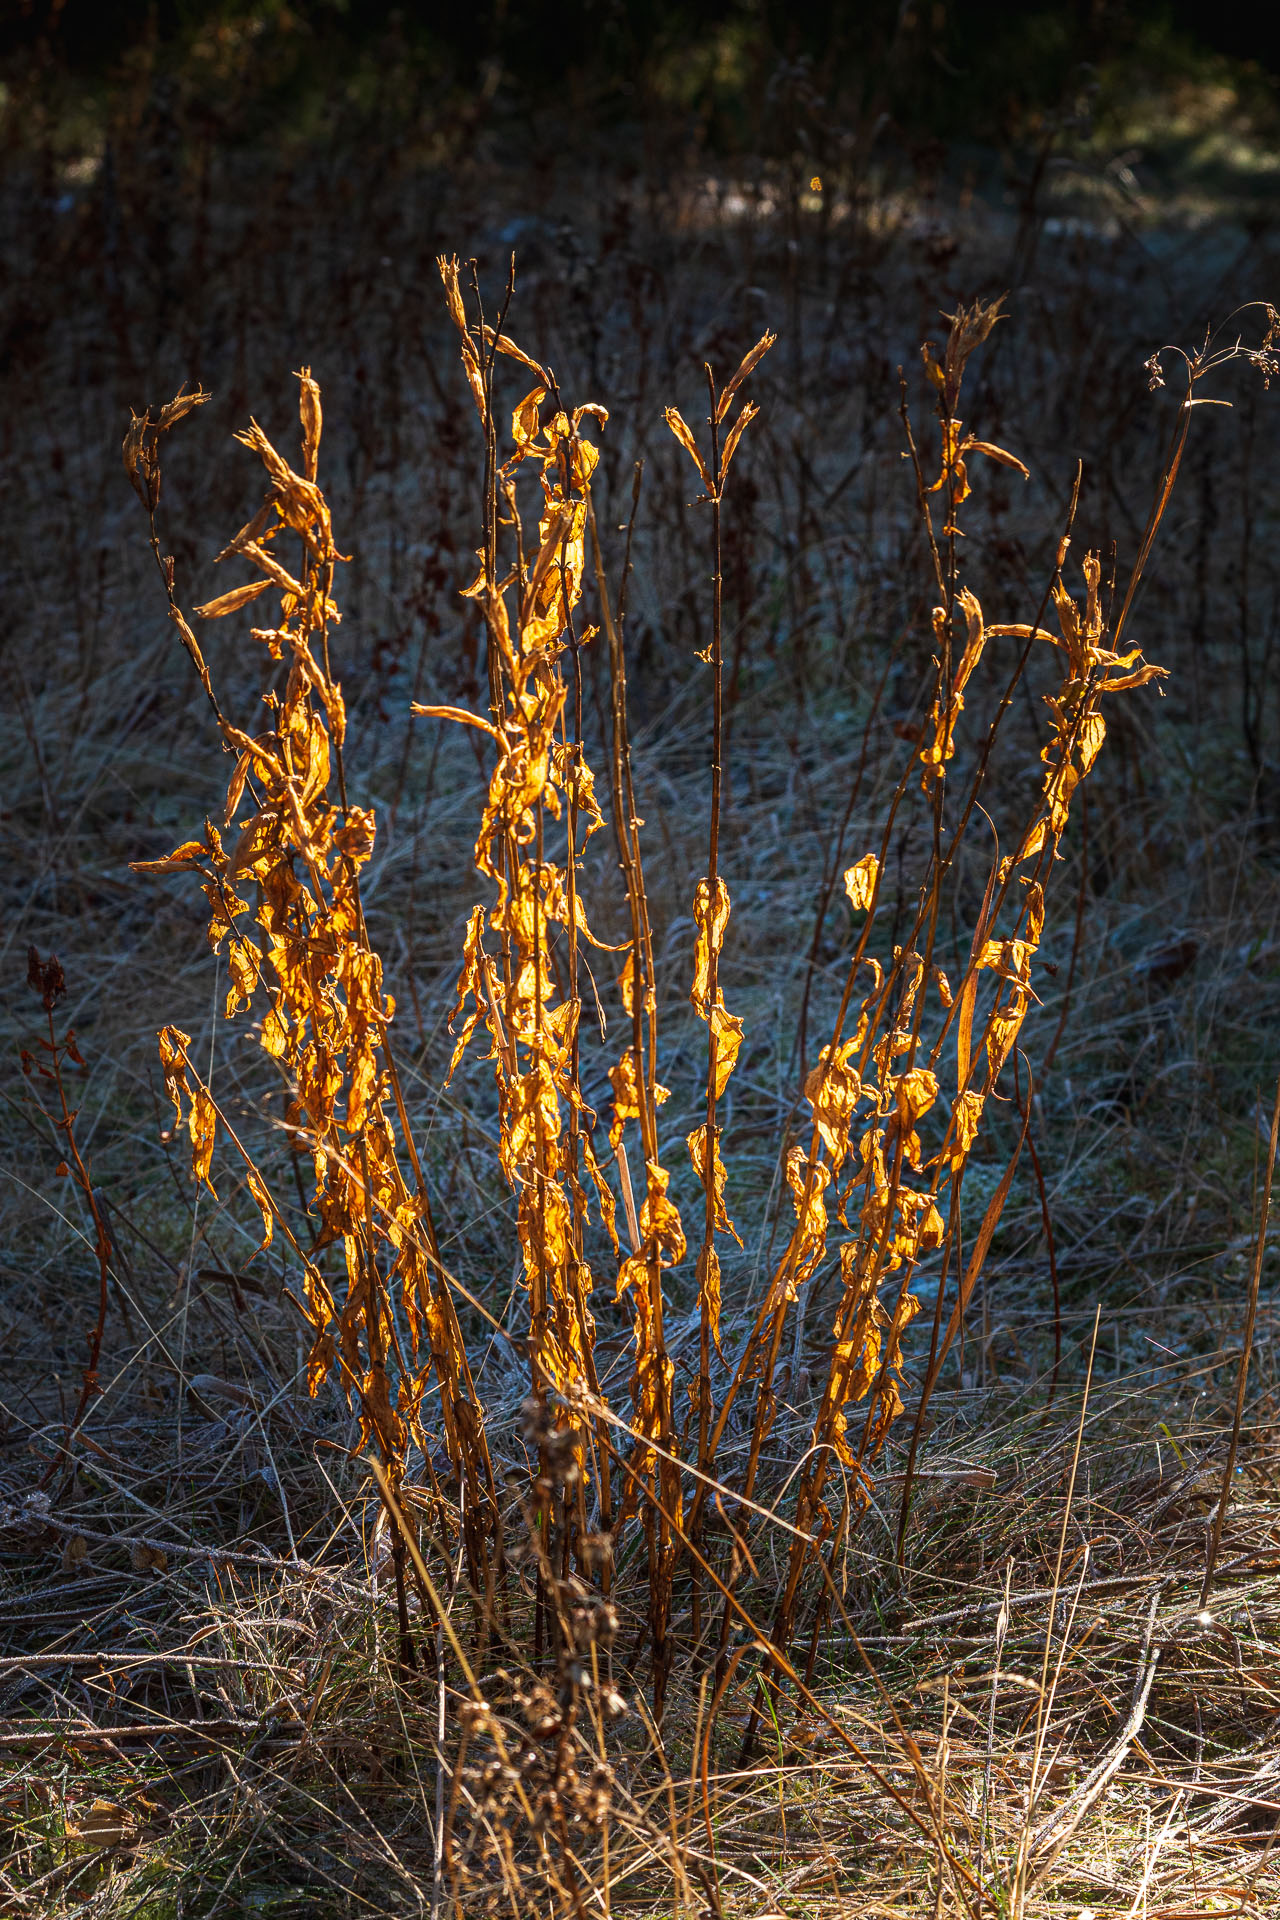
(46,978)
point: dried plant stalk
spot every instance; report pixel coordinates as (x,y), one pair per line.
(897,1099)
(284,900)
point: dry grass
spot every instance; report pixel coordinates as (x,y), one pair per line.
(204,1711)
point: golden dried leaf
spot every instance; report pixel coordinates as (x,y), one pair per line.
(833,1090)
(750,361)
(233,601)
(709,1290)
(312,418)
(244,960)
(727,1031)
(996,453)
(262,1200)
(627,984)
(953,467)
(1011,959)
(503,344)
(202,1124)
(268,564)
(808,1184)
(137,458)
(192,646)
(179,407)
(604,1192)
(660,1224)
(915,1094)
(183,859)
(1002,1031)
(966,1118)
(734,435)
(716,1173)
(975,638)
(678,426)
(526,421)
(1139,679)
(1093,732)
(860,882)
(252,530)
(1034,841)
(173,1045)
(711,924)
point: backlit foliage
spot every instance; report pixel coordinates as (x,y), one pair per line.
(895,1101)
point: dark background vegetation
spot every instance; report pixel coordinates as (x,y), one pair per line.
(959,70)
(1011,56)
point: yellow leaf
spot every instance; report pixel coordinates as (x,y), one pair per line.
(728,1032)
(183,859)
(709,1289)
(716,1174)
(916,1093)
(1002,1031)
(243,962)
(833,1090)
(711,924)
(503,344)
(1092,734)
(312,418)
(173,1045)
(233,601)
(967,1115)
(627,983)
(461,715)
(202,1124)
(996,453)
(265,1208)
(687,441)
(178,408)
(734,435)
(860,882)
(750,361)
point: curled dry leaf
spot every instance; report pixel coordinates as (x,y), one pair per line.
(860,882)
(750,361)
(233,601)
(675,420)
(98,1825)
(75,1553)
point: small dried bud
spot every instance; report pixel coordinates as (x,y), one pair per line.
(535,1421)
(596,1550)
(46,978)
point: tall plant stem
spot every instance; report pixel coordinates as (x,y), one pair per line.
(713,963)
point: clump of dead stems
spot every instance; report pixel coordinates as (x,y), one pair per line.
(899,1095)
